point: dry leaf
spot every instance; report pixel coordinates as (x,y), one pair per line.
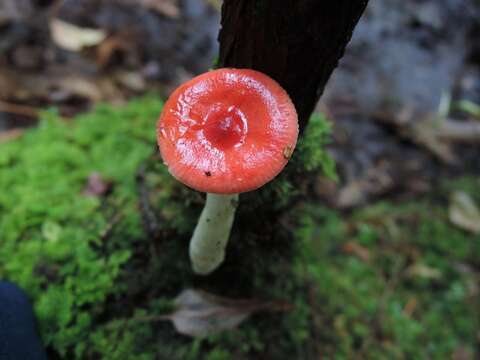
(352,194)
(460,131)
(78,86)
(75,38)
(437,135)
(18,109)
(131,80)
(425,132)
(410,307)
(358,250)
(375,181)
(57,84)
(106,49)
(96,185)
(200,314)
(464,213)
(424,271)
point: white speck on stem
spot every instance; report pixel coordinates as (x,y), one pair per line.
(210,237)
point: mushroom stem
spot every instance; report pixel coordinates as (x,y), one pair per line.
(207,246)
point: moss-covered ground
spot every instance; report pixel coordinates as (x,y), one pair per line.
(389,281)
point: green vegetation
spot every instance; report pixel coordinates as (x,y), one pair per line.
(390,281)
(395,282)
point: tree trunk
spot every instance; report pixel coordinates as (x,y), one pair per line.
(296,42)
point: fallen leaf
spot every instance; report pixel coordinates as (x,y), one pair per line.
(374,181)
(422,129)
(56,84)
(464,213)
(424,271)
(76,86)
(358,250)
(17,109)
(96,186)
(131,80)
(460,131)
(112,45)
(200,314)
(426,133)
(410,307)
(75,38)
(352,194)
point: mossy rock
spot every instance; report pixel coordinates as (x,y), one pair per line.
(392,281)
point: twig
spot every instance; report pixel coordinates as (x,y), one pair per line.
(462,131)
(18,109)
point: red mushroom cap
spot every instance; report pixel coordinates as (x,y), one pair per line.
(227,131)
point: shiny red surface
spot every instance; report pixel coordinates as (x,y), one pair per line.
(227,131)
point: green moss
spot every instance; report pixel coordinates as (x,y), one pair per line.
(51,235)
(395,280)
(94,273)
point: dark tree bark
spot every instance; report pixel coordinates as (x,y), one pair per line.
(296,42)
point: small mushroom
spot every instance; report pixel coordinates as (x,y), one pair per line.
(225,132)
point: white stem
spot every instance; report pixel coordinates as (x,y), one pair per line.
(207,246)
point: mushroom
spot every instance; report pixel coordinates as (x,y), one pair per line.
(225,132)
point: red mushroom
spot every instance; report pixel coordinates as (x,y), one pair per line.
(225,132)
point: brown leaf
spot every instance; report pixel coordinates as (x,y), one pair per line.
(374,181)
(17,109)
(131,80)
(410,307)
(425,132)
(200,314)
(71,37)
(460,131)
(464,213)
(358,250)
(96,186)
(110,46)
(423,129)
(352,194)
(424,271)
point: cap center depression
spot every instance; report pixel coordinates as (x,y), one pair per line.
(224,127)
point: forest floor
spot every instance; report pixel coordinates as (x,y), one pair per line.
(96,231)
(383,263)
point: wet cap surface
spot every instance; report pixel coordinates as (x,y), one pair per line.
(227,131)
